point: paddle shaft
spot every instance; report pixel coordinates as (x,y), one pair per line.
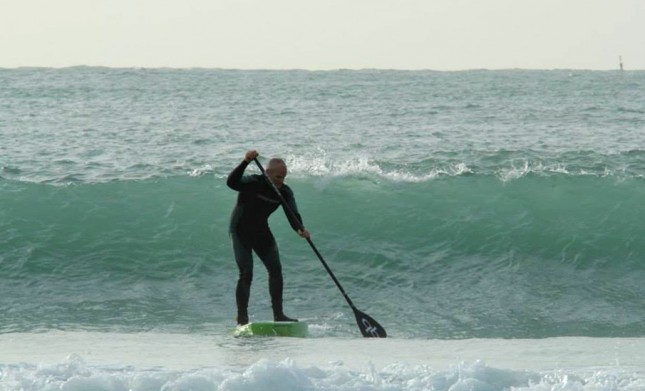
(295,218)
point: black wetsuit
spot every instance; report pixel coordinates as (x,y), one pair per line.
(249,230)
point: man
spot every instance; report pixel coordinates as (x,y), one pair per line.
(249,230)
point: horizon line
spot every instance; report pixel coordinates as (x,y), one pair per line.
(319,70)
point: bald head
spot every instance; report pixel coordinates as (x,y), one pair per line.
(276,162)
(277,171)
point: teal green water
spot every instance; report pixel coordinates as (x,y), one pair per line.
(450,205)
(463,256)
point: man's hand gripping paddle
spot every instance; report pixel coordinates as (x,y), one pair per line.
(369,327)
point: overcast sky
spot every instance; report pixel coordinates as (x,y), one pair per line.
(324,34)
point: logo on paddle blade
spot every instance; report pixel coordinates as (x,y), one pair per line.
(367,326)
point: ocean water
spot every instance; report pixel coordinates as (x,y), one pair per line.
(491,221)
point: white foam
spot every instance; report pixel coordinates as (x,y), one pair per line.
(155,361)
(321,165)
(201,171)
(287,375)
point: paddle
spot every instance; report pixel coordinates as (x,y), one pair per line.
(369,327)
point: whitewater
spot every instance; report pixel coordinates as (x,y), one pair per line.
(491,221)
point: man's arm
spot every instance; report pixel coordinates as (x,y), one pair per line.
(296,225)
(236,178)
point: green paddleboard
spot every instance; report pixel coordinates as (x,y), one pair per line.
(274,329)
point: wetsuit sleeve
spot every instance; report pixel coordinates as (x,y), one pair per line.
(236,179)
(291,200)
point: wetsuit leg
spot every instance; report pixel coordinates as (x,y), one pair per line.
(244,260)
(271,259)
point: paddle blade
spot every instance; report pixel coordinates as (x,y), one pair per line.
(369,327)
